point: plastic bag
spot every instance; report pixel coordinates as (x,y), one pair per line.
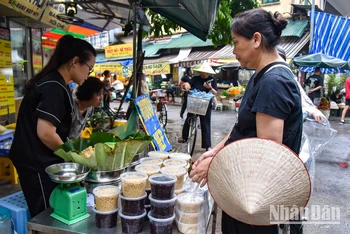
(192,209)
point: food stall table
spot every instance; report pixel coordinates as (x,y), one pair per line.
(44,223)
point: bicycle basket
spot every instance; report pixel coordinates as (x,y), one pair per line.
(197,105)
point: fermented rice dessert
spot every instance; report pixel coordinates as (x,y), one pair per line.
(133,184)
(152,160)
(189,202)
(182,156)
(179,172)
(175,163)
(106,197)
(159,154)
(162,186)
(149,169)
(161,226)
(187,218)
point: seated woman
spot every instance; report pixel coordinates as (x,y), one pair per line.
(88,96)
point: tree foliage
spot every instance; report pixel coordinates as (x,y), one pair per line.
(220,34)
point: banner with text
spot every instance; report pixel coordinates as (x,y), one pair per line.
(32,9)
(49,17)
(148,117)
(112,67)
(116,51)
(7,95)
(156,69)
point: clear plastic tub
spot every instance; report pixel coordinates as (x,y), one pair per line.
(182,156)
(159,154)
(162,186)
(133,184)
(133,206)
(132,224)
(149,169)
(179,172)
(179,191)
(189,202)
(161,226)
(175,163)
(107,219)
(152,160)
(187,228)
(162,209)
(106,197)
(187,218)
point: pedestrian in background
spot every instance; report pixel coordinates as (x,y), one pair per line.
(185,79)
(107,89)
(89,95)
(347,100)
(45,118)
(314,85)
(271,106)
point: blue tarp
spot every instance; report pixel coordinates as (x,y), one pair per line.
(331,37)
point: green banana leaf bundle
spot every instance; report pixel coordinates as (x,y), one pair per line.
(99,156)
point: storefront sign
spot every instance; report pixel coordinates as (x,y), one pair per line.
(156,69)
(119,50)
(32,9)
(112,67)
(148,117)
(7,95)
(49,16)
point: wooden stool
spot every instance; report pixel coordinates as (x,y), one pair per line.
(8,170)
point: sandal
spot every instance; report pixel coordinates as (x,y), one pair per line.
(181,140)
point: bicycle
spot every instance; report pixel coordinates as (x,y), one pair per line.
(195,106)
(160,102)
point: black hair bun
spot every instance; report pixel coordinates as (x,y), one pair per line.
(279,22)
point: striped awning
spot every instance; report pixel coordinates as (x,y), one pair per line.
(292,45)
(331,37)
(161,59)
(225,53)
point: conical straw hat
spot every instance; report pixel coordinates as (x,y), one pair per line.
(247,176)
(204,67)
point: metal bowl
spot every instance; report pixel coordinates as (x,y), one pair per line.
(67,172)
(104,176)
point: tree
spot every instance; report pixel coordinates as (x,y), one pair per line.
(221,32)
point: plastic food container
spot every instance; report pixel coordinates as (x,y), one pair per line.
(147,202)
(107,219)
(187,228)
(133,184)
(161,226)
(187,218)
(179,191)
(148,209)
(175,163)
(162,209)
(152,160)
(132,224)
(159,154)
(149,169)
(182,156)
(179,172)
(133,206)
(189,202)
(162,186)
(106,197)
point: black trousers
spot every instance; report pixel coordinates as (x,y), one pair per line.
(231,226)
(106,100)
(205,121)
(36,187)
(184,104)
(170,92)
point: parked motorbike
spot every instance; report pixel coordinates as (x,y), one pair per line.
(117,89)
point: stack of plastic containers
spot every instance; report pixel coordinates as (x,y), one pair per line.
(106,206)
(149,169)
(132,199)
(162,200)
(182,156)
(180,174)
(189,213)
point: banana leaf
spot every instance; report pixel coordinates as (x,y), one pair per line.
(102,137)
(105,158)
(90,162)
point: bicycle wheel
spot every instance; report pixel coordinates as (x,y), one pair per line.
(163,116)
(192,136)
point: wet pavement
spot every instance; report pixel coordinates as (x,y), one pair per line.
(331,186)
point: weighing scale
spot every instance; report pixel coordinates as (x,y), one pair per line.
(68,199)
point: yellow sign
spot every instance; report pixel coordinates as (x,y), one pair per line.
(32,9)
(112,67)
(118,50)
(156,69)
(49,16)
(7,94)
